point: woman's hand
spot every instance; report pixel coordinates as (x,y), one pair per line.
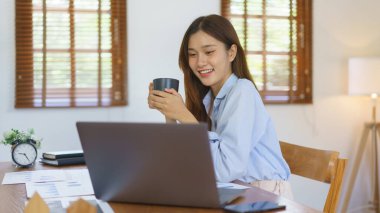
(150,95)
(170,103)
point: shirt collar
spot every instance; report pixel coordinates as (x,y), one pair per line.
(207,100)
(227,86)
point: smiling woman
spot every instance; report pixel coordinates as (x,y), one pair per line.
(220,91)
(70,53)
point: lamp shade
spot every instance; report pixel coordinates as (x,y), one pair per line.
(364,76)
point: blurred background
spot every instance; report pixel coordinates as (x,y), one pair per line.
(340,29)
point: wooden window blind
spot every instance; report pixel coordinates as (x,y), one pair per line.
(276,36)
(70,53)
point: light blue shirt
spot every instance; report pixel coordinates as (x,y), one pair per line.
(243,140)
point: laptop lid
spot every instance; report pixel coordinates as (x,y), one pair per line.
(166,164)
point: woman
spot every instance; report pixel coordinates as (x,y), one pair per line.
(221,92)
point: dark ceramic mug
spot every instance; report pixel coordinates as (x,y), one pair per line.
(165,83)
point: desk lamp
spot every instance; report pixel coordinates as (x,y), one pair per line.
(364,79)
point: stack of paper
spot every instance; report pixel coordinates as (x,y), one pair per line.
(53,183)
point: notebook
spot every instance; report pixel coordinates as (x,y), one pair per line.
(62,154)
(152,163)
(63,161)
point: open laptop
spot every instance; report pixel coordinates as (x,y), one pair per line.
(165,164)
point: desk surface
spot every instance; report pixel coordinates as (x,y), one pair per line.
(13,197)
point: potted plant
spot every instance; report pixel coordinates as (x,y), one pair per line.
(15,136)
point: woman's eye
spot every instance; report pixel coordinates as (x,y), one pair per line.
(192,54)
(210,52)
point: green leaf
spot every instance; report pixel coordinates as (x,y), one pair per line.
(22,136)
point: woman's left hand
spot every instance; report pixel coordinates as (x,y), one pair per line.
(171,104)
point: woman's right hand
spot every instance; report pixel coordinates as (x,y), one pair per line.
(167,119)
(150,96)
(170,104)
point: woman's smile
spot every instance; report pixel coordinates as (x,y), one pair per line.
(204,73)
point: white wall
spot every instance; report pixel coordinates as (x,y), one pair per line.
(342,28)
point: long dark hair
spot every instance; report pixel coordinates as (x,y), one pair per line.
(221,29)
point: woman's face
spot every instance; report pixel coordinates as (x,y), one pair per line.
(209,60)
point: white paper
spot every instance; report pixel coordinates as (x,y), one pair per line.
(77,183)
(231,185)
(59,189)
(77,174)
(34,176)
(106,208)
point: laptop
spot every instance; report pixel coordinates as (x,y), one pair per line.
(152,163)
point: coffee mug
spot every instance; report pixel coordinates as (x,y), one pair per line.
(165,83)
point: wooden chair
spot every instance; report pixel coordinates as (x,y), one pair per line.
(320,165)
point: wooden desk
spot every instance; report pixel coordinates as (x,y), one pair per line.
(13,197)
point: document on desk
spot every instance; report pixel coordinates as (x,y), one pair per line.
(231,185)
(78,183)
(78,174)
(34,176)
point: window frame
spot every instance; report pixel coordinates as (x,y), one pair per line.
(303,94)
(28,96)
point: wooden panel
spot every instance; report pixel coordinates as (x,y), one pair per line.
(335,188)
(311,163)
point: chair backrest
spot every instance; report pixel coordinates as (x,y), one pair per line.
(316,164)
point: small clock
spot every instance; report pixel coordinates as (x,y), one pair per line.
(24,154)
